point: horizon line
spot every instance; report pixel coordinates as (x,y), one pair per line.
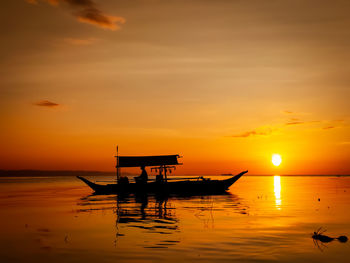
(4,171)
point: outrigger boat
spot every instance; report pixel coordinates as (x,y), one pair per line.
(162,184)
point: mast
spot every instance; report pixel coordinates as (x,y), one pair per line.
(117,166)
(165,177)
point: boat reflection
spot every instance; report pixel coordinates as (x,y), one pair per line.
(153,214)
(277,190)
(143,215)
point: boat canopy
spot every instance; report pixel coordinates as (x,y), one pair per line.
(138,161)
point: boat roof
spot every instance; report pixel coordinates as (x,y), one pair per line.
(138,161)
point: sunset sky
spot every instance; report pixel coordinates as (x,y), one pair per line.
(223,83)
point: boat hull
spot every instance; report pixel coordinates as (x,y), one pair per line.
(180,187)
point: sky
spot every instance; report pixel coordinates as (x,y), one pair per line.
(223,83)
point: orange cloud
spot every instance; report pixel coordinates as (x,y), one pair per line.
(253,133)
(94,17)
(35,2)
(301,122)
(86,11)
(295,122)
(46,103)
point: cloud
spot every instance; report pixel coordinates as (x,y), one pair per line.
(35,2)
(335,124)
(294,113)
(281,128)
(329,127)
(86,11)
(253,133)
(46,103)
(295,122)
(294,119)
(79,41)
(95,17)
(300,122)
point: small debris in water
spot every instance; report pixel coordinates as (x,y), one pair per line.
(342,239)
(319,237)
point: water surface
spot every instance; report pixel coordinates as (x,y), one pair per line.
(260,219)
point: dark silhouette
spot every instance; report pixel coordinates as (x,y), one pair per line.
(143,178)
(198,186)
(144,175)
(319,237)
(123,180)
(160,177)
(163,163)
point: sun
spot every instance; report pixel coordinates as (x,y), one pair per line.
(276,159)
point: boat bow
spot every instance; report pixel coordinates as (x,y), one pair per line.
(230,181)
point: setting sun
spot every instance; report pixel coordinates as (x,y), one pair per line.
(276,159)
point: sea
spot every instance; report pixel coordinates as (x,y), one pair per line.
(259,219)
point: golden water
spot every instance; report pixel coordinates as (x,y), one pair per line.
(260,219)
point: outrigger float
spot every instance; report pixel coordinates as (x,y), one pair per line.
(162,184)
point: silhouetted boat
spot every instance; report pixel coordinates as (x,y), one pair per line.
(162,163)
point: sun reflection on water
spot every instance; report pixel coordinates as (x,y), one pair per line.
(277,190)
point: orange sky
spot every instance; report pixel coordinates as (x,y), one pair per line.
(225,84)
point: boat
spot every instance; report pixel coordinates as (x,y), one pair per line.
(162,185)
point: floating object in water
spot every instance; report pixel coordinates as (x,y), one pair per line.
(198,186)
(342,239)
(163,163)
(319,237)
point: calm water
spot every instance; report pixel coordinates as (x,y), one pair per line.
(261,219)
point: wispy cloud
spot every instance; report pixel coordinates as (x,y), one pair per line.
(334,124)
(329,127)
(295,122)
(46,103)
(294,119)
(256,132)
(284,126)
(86,11)
(294,113)
(300,122)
